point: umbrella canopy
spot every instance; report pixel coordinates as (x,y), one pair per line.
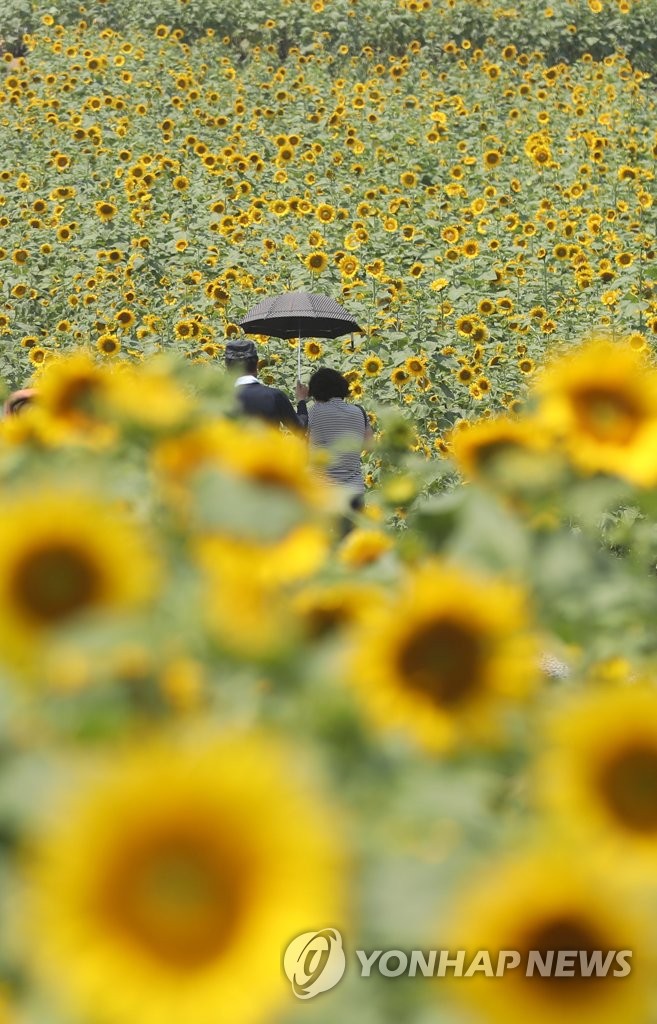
(299,315)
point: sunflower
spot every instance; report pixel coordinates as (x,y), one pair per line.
(372,366)
(500,449)
(108,344)
(246,609)
(149,397)
(279,207)
(74,392)
(37,355)
(540,904)
(364,547)
(274,463)
(541,156)
(106,211)
(349,266)
(125,318)
(492,158)
(183,329)
(180,183)
(465,325)
(324,610)
(444,655)
(637,341)
(602,402)
(183,870)
(313,349)
(64,555)
(480,334)
(375,268)
(325,213)
(416,366)
(598,772)
(451,234)
(316,262)
(399,377)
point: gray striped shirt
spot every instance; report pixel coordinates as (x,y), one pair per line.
(339,427)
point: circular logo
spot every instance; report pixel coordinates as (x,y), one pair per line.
(314,962)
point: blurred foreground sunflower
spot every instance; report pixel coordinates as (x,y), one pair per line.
(502,451)
(74,391)
(63,556)
(440,659)
(552,903)
(167,887)
(598,773)
(246,606)
(601,401)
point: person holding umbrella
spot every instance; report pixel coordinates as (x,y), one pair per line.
(297,315)
(254,397)
(340,432)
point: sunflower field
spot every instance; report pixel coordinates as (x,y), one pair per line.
(223,723)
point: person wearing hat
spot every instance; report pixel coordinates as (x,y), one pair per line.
(254,397)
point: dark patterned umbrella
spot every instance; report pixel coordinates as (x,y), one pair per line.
(299,315)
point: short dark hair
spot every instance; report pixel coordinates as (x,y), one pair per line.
(242,366)
(326,383)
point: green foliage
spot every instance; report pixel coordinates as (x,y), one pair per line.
(561,31)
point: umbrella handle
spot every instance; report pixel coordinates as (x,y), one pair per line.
(299,359)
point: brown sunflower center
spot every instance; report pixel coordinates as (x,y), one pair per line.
(54,582)
(567,933)
(177,895)
(270,475)
(609,416)
(488,453)
(443,661)
(628,785)
(323,619)
(78,397)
